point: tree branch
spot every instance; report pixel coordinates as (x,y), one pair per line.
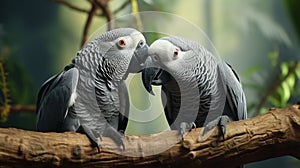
(106,12)
(88,24)
(21,108)
(103,5)
(274,134)
(278,80)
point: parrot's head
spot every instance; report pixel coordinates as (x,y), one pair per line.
(168,57)
(124,51)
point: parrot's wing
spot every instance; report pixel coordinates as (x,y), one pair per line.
(171,100)
(167,102)
(124,106)
(44,89)
(54,99)
(235,96)
(235,104)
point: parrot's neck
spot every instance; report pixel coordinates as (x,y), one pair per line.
(96,75)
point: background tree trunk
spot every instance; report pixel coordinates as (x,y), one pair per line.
(271,135)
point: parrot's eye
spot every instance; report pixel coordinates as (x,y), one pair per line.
(141,44)
(155,58)
(176,52)
(122,43)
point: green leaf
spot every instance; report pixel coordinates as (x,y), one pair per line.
(298,72)
(286,93)
(284,68)
(290,80)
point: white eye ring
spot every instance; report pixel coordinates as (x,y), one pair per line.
(122,43)
(141,44)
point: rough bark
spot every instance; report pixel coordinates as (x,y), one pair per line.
(271,135)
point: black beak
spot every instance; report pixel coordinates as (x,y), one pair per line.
(137,61)
(153,75)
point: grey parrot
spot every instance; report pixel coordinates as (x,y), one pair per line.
(90,95)
(197,88)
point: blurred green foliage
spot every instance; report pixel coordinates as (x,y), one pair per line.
(276,81)
(16,86)
(283,90)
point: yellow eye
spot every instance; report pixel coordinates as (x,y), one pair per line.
(122,43)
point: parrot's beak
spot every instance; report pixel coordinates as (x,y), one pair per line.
(137,61)
(152,74)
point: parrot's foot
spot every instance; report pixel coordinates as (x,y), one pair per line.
(122,132)
(219,122)
(116,136)
(186,127)
(92,135)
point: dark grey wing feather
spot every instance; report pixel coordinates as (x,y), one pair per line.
(171,100)
(167,102)
(54,100)
(235,95)
(124,106)
(44,89)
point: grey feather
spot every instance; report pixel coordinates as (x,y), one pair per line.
(235,95)
(197,88)
(54,102)
(199,82)
(96,76)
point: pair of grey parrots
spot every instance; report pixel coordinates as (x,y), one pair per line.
(90,95)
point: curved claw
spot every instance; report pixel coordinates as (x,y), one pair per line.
(116,136)
(97,145)
(123,146)
(222,125)
(92,135)
(193,125)
(219,122)
(122,142)
(186,127)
